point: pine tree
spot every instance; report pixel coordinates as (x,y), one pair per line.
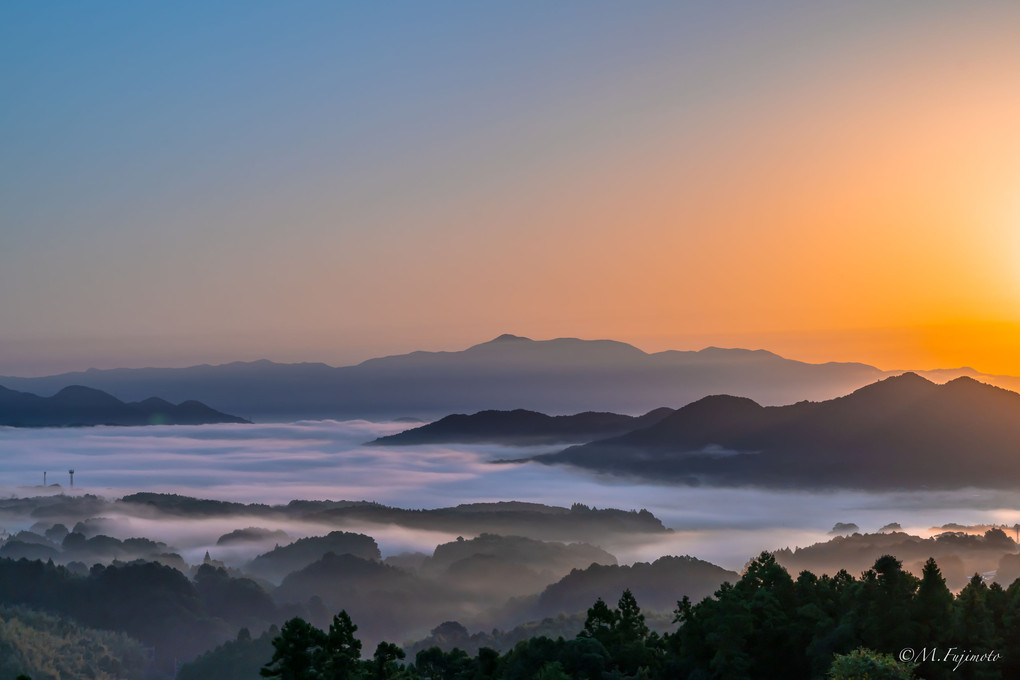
(886,597)
(341,652)
(974,629)
(630,651)
(384,662)
(297,649)
(600,623)
(932,617)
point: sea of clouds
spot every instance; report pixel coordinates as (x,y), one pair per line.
(275,463)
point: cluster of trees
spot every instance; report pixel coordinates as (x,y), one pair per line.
(74,548)
(766,625)
(960,554)
(155,604)
(55,647)
(763,624)
(770,625)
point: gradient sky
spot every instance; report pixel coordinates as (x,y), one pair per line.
(331,181)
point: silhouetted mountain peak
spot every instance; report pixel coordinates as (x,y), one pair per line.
(965,381)
(720,404)
(701,420)
(908,378)
(155,402)
(904,431)
(904,387)
(555,345)
(79,395)
(521,427)
(736,353)
(555,376)
(978,393)
(72,391)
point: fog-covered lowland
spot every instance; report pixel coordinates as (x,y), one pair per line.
(200,531)
(277,463)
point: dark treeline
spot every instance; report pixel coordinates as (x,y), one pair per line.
(765,625)
(959,554)
(57,647)
(173,616)
(574,523)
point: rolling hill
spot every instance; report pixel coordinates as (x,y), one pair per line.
(521,428)
(82,406)
(901,432)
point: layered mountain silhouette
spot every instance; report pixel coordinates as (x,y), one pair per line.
(560,376)
(901,432)
(80,406)
(522,428)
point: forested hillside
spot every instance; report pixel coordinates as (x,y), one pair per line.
(767,625)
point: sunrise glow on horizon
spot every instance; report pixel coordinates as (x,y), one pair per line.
(332,182)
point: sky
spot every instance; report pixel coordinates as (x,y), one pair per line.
(183,183)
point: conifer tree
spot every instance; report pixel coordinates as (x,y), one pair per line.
(932,614)
(296,651)
(340,655)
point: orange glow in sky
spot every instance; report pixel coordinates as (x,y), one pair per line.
(332,184)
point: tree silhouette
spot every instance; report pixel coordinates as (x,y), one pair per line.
(340,654)
(296,652)
(931,609)
(384,662)
(630,622)
(600,623)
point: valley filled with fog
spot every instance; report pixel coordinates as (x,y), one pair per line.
(201,540)
(327,460)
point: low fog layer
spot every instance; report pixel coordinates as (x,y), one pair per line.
(228,526)
(327,460)
(216,566)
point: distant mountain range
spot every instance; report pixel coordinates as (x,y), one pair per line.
(81,406)
(522,428)
(560,376)
(901,432)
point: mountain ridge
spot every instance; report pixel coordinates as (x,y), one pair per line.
(520,427)
(559,376)
(901,432)
(77,405)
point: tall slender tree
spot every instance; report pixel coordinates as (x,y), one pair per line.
(297,650)
(340,654)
